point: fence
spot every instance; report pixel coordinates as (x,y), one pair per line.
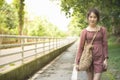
(31,47)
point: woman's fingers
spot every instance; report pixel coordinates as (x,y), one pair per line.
(77,67)
(105,64)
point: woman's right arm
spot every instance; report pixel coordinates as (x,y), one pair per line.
(80,46)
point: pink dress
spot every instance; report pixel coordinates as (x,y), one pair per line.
(100,48)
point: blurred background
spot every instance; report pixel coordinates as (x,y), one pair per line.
(62,18)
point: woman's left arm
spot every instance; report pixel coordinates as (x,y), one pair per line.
(105,43)
(105,47)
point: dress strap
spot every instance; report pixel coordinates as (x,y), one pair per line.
(94,35)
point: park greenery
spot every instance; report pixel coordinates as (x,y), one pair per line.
(15,21)
(109,11)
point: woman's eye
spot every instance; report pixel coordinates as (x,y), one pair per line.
(90,16)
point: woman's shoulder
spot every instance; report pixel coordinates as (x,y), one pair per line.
(83,30)
(103,28)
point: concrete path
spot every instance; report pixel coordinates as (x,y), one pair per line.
(61,68)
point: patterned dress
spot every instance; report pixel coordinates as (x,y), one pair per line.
(100,48)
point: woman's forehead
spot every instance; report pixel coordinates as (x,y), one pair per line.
(92,14)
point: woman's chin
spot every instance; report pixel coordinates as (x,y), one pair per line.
(92,23)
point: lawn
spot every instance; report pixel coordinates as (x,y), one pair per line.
(113,72)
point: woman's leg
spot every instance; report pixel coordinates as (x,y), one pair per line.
(90,75)
(97,76)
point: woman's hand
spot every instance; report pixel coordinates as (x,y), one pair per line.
(77,67)
(105,64)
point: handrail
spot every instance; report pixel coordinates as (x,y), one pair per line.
(21,51)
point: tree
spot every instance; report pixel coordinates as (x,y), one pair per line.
(109,9)
(20,9)
(42,27)
(8,18)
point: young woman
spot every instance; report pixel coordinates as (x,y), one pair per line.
(100,46)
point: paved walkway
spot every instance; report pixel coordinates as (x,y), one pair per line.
(61,68)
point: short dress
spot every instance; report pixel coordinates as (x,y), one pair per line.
(99,50)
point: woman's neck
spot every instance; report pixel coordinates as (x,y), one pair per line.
(92,26)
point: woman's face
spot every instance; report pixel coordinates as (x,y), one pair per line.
(92,19)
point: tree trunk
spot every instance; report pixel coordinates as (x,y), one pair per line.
(21,17)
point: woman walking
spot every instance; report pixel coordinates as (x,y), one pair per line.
(100,46)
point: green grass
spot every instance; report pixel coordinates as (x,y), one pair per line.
(113,72)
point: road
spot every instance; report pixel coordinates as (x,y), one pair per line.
(29,51)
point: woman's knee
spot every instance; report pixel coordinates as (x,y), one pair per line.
(97,76)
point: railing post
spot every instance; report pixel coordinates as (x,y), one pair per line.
(35,48)
(59,41)
(43,42)
(1,38)
(56,43)
(49,44)
(22,45)
(53,43)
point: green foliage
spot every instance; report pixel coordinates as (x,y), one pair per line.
(113,72)
(8,19)
(1,3)
(37,27)
(42,27)
(112,40)
(77,24)
(109,9)
(114,50)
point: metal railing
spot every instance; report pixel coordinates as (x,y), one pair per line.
(31,47)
